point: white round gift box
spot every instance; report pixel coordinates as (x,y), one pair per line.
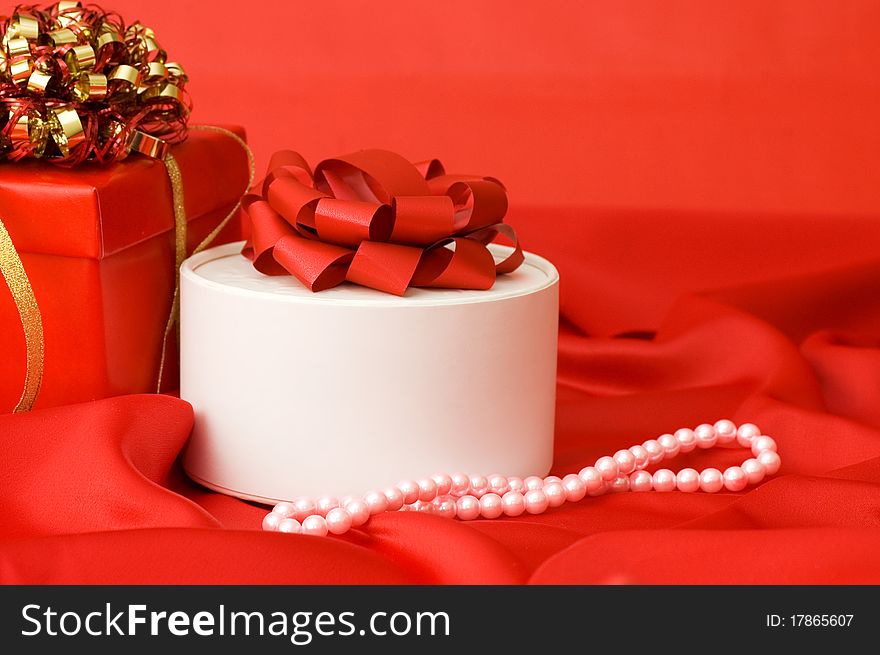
(338,392)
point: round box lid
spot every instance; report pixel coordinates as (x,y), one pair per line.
(225,266)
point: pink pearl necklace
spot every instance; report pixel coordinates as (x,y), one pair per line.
(470,497)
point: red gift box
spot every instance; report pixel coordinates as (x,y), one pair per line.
(98,245)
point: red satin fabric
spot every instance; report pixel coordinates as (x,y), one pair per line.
(377,220)
(667,321)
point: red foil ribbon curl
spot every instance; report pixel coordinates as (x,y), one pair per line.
(375,219)
(77,83)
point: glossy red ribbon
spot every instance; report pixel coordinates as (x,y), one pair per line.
(375,219)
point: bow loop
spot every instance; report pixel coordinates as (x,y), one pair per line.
(430,168)
(459,263)
(267,228)
(370,175)
(295,201)
(349,222)
(375,219)
(388,267)
(423,220)
(319,265)
(286,163)
(479,201)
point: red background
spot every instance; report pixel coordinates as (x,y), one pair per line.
(705,177)
(669,104)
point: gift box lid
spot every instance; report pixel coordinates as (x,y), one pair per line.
(94,211)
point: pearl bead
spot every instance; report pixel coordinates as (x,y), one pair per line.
(762,443)
(490,506)
(619,484)
(705,434)
(533,482)
(607,468)
(575,489)
(687,480)
(395,498)
(460,484)
(284,510)
(686,439)
(376,502)
(338,521)
(479,485)
(600,490)
(443,482)
(467,508)
(516,484)
(359,511)
(711,481)
(427,489)
(726,432)
(626,461)
(555,493)
(770,461)
(664,480)
(410,490)
(325,504)
(423,507)
(304,507)
(498,484)
(290,526)
(536,501)
(271,521)
(591,478)
(655,451)
(640,481)
(745,434)
(754,470)
(735,479)
(670,445)
(513,503)
(444,506)
(641,455)
(315,525)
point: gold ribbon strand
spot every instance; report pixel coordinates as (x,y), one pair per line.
(180,230)
(31,321)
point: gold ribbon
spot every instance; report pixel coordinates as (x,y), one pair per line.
(76,74)
(180,226)
(29,313)
(26,302)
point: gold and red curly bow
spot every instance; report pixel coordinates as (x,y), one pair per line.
(77,83)
(377,220)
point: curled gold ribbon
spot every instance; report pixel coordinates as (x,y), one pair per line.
(101,71)
(29,313)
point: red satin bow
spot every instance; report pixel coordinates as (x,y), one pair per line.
(377,220)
